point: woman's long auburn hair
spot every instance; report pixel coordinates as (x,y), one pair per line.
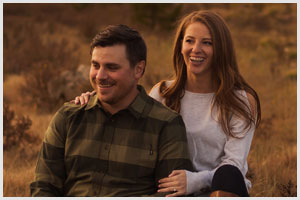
(224,69)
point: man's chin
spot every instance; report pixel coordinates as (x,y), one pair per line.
(105,100)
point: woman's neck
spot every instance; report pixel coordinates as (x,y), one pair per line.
(200,84)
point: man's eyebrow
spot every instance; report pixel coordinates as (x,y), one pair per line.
(94,62)
(106,64)
(112,65)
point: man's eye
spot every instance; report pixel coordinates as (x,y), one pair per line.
(113,68)
(96,66)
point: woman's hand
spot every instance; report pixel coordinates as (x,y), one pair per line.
(175,183)
(83,98)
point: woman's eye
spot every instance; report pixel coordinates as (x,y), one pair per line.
(207,43)
(188,41)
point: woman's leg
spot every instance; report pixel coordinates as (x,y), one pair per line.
(228,180)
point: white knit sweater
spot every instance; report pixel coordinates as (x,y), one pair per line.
(208,145)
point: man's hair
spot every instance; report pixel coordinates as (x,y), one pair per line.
(136,49)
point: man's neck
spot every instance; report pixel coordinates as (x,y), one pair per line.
(114,108)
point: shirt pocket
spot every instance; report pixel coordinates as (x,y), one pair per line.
(132,162)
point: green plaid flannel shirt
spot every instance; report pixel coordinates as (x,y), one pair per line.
(88,152)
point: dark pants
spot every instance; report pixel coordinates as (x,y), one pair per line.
(229,178)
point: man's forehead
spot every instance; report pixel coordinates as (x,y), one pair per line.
(116,47)
(110,54)
(115,52)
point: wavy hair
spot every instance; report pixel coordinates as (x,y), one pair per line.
(224,69)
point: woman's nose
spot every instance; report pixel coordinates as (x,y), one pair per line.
(197,47)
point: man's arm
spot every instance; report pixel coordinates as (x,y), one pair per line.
(50,170)
(172,150)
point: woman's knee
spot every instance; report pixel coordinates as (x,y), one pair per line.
(230,179)
(228,171)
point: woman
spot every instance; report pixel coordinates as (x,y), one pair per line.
(220,110)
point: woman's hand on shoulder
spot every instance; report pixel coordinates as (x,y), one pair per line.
(83,98)
(174,183)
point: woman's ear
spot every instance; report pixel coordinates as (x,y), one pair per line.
(139,69)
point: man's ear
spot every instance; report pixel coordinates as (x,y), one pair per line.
(139,69)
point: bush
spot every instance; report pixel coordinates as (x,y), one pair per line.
(157,16)
(16,130)
(39,60)
(58,59)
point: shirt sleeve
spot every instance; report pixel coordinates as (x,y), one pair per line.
(50,171)
(236,151)
(172,150)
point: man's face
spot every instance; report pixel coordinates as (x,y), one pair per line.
(112,76)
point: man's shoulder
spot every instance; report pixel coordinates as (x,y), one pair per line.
(69,109)
(161,112)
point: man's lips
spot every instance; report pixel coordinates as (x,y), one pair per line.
(105,84)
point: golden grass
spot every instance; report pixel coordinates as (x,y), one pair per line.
(17,175)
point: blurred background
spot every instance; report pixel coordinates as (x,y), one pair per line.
(46,62)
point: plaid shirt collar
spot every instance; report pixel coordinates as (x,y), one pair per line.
(136,107)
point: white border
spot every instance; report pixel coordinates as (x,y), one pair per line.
(150,1)
(1,100)
(298,92)
(143,1)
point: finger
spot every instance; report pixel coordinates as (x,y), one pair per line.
(92,93)
(165,180)
(81,100)
(176,172)
(167,185)
(77,100)
(163,190)
(169,190)
(86,98)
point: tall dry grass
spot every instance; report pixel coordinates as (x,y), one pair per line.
(265,40)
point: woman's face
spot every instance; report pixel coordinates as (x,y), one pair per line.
(197,49)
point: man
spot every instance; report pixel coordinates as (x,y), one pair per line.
(122,141)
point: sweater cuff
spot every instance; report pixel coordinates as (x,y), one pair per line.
(198,180)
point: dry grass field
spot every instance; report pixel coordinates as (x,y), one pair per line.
(43,40)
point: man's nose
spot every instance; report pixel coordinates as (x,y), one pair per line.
(101,73)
